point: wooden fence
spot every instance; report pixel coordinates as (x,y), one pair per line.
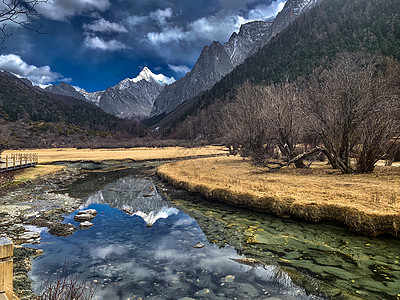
(17,161)
(6,269)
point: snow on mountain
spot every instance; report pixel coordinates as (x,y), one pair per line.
(147,75)
(131,98)
(92,97)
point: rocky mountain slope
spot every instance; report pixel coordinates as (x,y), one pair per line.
(313,40)
(64,89)
(131,98)
(218,59)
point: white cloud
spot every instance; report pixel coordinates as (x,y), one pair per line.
(167,36)
(214,28)
(136,20)
(179,69)
(102,25)
(161,15)
(61,10)
(264,12)
(41,76)
(95,42)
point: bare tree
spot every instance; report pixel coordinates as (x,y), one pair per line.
(354,109)
(262,119)
(244,124)
(283,118)
(18,12)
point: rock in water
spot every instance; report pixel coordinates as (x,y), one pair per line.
(92,212)
(199,245)
(85,215)
(85,225)
(83,218)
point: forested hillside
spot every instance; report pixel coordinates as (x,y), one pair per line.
(33,117)
(313,40)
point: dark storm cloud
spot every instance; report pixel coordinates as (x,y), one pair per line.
(100,42)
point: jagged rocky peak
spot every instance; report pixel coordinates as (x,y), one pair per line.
(148,75)
(64,89)
(92,97)
(218,60)
(248,41)
(291,10)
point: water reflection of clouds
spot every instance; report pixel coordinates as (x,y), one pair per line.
(184,222)
(108,251)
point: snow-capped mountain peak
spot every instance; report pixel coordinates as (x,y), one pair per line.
(131,98)
(148,75)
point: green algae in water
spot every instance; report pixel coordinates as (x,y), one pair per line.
(325,259)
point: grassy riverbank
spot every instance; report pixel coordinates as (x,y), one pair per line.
(368,204)
(135,154)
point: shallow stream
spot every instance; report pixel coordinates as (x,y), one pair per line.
(141,246)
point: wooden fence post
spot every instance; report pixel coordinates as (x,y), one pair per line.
(6,268)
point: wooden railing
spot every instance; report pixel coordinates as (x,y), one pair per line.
(6,269)
(17,161)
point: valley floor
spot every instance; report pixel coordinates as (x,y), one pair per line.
(135,154)
(28,196)
(367,204)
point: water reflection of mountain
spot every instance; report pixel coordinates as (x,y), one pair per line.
(135,196)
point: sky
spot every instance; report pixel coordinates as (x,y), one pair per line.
(94,44)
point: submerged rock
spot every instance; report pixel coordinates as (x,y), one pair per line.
(248,261)
(202,292)
(199,245)
(229,278)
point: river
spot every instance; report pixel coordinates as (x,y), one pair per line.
(143,238)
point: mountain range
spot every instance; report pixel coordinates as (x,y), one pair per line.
(129,99)
(311,41)
(305,35)
(217,60)
(33,117)
(151,95)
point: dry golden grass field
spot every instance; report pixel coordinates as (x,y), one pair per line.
(136,154)
(37,172)
(368,204)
